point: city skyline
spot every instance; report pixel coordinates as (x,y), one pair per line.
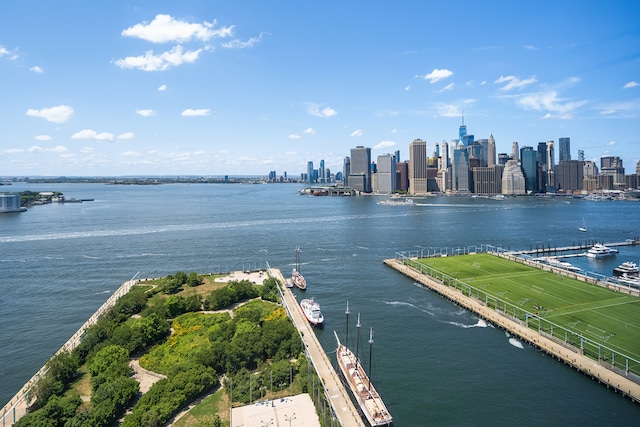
(191,88)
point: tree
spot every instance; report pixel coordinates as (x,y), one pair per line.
(194,280)
(110,362)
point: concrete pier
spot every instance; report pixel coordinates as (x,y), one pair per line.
(337,394)
(582,363)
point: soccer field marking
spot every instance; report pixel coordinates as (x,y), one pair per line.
(595,309)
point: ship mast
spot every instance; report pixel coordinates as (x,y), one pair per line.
(346,341)
(370,353)
(357,341)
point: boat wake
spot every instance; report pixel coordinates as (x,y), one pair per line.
(480,324)
(514,342)
(408,304)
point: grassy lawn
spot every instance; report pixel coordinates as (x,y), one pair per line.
(599,314)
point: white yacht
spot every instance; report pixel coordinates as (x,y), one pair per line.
(601,251)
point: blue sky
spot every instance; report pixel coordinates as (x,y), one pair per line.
(245,87)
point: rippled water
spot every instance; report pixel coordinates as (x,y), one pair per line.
(434,362)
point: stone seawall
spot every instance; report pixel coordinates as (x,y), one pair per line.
(18,405)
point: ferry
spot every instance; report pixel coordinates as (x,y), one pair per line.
(601,251)
(311,310)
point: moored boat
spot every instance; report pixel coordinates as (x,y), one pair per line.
(627,268)
(296,277)
(600,251)
(311,310)
(356,378)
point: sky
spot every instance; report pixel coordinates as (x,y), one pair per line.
(212,88)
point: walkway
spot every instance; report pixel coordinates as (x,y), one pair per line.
(336,393)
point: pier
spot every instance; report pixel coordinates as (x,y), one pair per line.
(575,250)
(587,366)
(335,391)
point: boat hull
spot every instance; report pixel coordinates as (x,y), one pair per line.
(311,311)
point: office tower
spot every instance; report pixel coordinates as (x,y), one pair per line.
(310,172)
(564,147)
(612,166)
(462,132)
(322,173)
(515,152)
(397,156)
(436,151)
(551,170)
(360,176)
(541,155)
(569,175)
(444,160)
(491,152)
(418,167)
(386,174)
(487,180)
(529,168)
(346,170)
(513,180)
(581,155)
(402,176)
(461,180)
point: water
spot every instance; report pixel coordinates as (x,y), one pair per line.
(434,362)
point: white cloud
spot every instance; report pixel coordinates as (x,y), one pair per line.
(190,112)
(514,82)
(126,135)
(610,143)
(315,110)
(407,88)
(151,62)
(162,88)
(453,110)
(58,114)
(93,135)
(165,28)
(146,113)
(530,47)
(556,107)
(38,149)
(43,138)
(357,132)
(437,75)
(446,88)
(238,44)
(630,85)
(294,136)
(309,131)
(130,154)
(5,52)
(87,150)
(384,144)
(621,109)
(37,69)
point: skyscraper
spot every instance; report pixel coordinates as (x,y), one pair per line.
(460,170)
(386,173)
(418,167)
(310,172)
(515,152)
(462,132)
(491,152)
(360,176)
(564,147)
(529,168)
(346,170)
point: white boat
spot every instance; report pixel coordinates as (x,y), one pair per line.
(296,277)
(601,251)
(584,226)
(311,310)
(627,268)
(629,280)
(365,394)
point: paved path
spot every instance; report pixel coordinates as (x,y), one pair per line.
(339,398)
(582,363)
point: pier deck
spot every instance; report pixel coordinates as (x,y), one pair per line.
(583,247)
(580,362)
(338,395)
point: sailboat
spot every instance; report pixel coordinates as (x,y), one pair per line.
(296,277)
(365,394)
(584,226)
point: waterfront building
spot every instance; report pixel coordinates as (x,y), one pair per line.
(10,202)
(461,181)
(397,156)
(322,173)
(513,180)
(462,132)
(310,173)
(487,180)
(529,168)
(570,175)
(360,175)
(551,184)
(612,166)
(564,149)
(386,176)
(418,167)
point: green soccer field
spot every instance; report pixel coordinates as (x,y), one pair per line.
(589,316)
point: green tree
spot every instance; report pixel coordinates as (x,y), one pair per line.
(110,362)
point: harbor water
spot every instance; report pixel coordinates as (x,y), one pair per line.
(434,363)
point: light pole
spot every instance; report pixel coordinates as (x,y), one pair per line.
(290,418)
